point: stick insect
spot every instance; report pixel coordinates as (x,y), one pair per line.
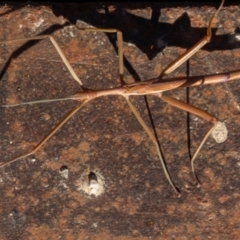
(155,86)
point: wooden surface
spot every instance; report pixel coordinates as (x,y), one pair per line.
(38,202)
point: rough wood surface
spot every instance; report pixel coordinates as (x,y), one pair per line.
(38,202)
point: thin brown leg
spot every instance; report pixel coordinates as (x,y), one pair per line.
(49,135)
(196,111)
(153,138)
(55,44)
(119,44)
(191,51)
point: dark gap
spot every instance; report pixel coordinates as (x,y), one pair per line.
(63,168)
(92,176)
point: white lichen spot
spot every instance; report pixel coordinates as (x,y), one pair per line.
(237,37)
(220,132)
(64,172)
(195,119)
(68,31)
(38,24)
(131,44)
(71,34)
(93,186)
(91,183)
(94,225)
